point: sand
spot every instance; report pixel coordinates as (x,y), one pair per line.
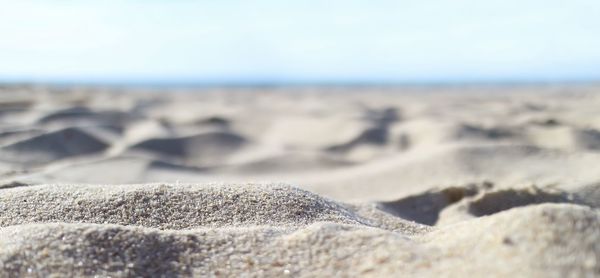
(302,182)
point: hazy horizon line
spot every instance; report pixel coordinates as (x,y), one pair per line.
(294,83)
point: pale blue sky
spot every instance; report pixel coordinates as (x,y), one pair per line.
(299,41)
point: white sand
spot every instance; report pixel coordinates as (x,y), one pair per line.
(448,182)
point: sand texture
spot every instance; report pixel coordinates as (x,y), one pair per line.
(300,182)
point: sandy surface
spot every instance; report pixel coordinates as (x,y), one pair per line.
(457,181)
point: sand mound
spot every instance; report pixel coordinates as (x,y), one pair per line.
(459,203)
(530,240)
(170,207)
(52,146)
(203,149)
(494,202)
(85,115)
(425,207)
(491,202)
(557,240)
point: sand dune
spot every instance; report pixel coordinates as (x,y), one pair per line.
(14,134)
(202,150)
(376,182)
(52,146)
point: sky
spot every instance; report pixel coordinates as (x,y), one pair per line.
(306,41)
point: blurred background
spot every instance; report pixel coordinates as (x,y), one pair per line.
(354,100)
(290,42)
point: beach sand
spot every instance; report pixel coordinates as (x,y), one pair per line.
(299,181)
